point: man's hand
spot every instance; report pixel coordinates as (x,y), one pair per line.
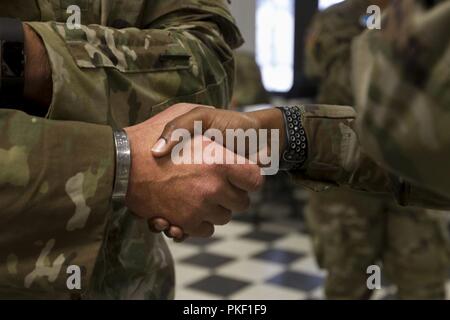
(221,120)
(192,198)
(38,75)
(216,119)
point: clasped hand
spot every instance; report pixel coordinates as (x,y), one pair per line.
(184,199)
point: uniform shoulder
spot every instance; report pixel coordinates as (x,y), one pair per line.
(217,10)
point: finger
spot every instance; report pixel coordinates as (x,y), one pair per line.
(176,232)
(165,143)
(184,238)
(168,235)
(205,230)
(246,177)
(219,216)
(158,224)
(233,199)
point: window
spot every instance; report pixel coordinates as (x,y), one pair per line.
(275,41)
(323,4)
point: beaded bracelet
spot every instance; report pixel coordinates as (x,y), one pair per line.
(296,153)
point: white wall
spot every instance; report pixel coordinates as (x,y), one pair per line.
(244,12)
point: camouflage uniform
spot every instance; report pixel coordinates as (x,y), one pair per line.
(249,89)
(344,146)
(352,230)
(130,60)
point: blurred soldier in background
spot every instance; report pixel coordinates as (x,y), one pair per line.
(400,90)
(248,89)
(127,62)
(353,230)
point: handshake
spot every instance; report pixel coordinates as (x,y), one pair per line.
(190,199)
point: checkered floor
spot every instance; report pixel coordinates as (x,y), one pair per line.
(273,261)
(258,256)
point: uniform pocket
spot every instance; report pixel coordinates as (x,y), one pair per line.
(127,50)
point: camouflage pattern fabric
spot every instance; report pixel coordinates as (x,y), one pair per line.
(249,89)
(352,230)
(328,50)
(402,85)
(337,158)
(129,61)
(55,189)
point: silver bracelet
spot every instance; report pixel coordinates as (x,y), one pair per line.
(123,166)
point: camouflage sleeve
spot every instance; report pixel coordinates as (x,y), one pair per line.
(182,51)
(402,83)
(328,50)
(55,190)
(336,158)
(330,34)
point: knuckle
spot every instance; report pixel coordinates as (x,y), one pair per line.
(224,218)
(198,111)
(177,105)
(257,182)
(227,217)
(216,188)
(171,125)
(190,220)
(209,232)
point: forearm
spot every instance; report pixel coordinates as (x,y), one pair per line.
(337,158)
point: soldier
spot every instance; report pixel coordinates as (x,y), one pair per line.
(400,91)
(353,230)
(249,89)
(127,62)
(336,139)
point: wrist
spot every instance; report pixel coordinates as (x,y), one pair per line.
(272,119)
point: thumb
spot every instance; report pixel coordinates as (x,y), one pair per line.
(165,144)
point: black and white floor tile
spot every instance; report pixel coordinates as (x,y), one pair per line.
(271,261)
